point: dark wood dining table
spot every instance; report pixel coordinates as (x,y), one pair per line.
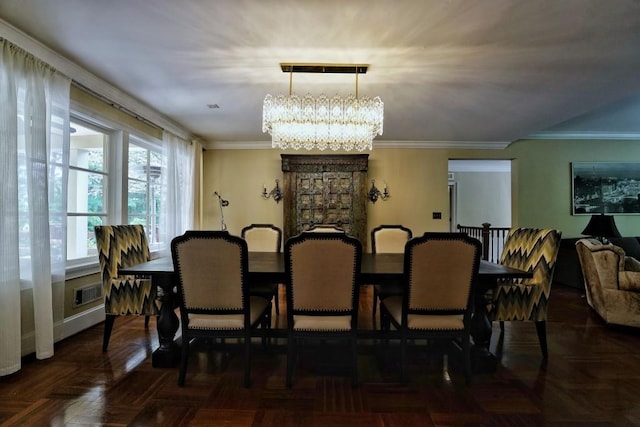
(269,266)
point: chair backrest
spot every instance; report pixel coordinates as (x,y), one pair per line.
(534,250)
(325,228)
(262,237)
(600,267)
(212,270)
(120,246)
(322,274)
(387,239)
(441,270)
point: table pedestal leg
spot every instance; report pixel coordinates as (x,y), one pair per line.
(168,354)
(482,360)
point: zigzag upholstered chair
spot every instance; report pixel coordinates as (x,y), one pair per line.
(123,246)
(533,250)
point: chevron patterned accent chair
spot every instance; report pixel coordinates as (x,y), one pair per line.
(123,246)
(534,250)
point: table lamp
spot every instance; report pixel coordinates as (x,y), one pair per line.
(601,227)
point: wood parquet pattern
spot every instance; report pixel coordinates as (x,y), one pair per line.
(592,378)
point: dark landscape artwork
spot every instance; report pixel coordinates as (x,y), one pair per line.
(605,187)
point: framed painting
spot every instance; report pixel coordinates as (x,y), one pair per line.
(605,187)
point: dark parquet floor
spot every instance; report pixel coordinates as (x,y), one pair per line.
(592,378)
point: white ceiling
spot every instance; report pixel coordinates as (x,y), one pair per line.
(447,70)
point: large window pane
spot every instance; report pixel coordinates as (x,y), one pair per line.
(81,241)
(87,191)
(144,188)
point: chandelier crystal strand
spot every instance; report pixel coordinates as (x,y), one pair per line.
(348,123)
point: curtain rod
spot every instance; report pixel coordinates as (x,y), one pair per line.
(116,105)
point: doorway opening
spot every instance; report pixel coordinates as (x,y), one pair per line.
(479,192)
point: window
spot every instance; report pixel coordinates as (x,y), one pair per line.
(144,188)
(114,178)
(87,190)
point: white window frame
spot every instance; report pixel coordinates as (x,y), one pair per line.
(117,170)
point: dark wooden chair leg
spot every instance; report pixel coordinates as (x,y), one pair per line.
(290,360)
(541,328)
(146,321)
(184,357)
(375,305)
(276,296)
(247,360)
(108,327)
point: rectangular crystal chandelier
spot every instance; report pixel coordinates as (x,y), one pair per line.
(320,122)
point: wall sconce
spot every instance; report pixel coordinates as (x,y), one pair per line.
(375,194)
(276,193)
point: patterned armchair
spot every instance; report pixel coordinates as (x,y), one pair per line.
(123,246)
(612,282)
(533,250)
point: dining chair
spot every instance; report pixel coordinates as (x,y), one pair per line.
(440,274)
(388,239)
(526,299)
(322,272)
(123,246)
(212,271)
(325,228)
(264,238)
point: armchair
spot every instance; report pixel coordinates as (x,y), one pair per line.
(612,282)
(123,246)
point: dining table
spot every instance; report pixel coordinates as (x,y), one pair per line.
(378,268)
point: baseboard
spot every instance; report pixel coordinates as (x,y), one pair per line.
(81,321)
(69,326)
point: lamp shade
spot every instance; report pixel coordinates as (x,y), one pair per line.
(601,226)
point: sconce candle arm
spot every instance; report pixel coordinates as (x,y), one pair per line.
(374,194)
(275,193)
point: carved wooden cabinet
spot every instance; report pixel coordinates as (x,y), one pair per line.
(325,189)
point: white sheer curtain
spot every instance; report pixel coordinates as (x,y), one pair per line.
(34,157)
(178,177)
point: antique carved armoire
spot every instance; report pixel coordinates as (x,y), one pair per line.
(325,189)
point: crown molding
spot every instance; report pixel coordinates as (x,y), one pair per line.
(89,80)
(585,135)
(263,145)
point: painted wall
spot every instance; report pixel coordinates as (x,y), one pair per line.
(417,181)
(473,206)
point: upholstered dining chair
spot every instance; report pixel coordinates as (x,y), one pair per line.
(212,269)
(388,239)
(322,271)
(534,250)
(325,228)
(264,238)
(123,246)
(440,274)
